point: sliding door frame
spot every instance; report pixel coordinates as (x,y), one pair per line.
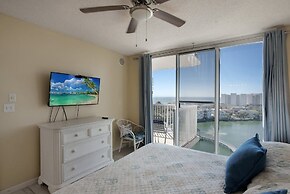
(177,96)
(216,47)
(217,99)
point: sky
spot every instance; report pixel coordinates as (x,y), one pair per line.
(65,83)
(240,72)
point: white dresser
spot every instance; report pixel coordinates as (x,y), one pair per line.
(72,149)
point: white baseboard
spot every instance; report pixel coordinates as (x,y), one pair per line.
(19,186)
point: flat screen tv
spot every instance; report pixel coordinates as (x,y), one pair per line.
(72,90)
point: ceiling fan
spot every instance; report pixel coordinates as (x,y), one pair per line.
(140,11)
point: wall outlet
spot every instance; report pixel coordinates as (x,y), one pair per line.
(12,97)
(9,107)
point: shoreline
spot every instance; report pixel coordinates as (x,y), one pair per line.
(75,102)
(204,121)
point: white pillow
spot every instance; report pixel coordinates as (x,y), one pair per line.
(125,129)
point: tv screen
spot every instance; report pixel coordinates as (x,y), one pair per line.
(70,90)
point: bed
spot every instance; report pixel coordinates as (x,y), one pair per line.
(159,168)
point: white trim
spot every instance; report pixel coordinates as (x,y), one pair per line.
(19,186)
(177,97)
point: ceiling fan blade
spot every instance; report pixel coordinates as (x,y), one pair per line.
(132,26)
(168,17)
(160,1)
(104,8)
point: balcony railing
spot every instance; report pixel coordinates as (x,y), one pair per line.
(163,123)
(164,120)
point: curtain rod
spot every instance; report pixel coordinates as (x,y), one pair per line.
(204,46)
(221,43)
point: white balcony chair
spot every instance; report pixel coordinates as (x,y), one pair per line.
(130,132)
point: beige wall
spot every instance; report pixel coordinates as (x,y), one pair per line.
(27,55)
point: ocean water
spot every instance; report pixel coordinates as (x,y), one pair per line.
(233,133)
(164,100)
(72,99)
(208,146)
(171,100)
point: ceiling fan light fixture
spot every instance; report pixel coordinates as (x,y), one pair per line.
(141,13)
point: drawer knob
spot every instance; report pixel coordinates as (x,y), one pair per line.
(73,151)
(73,168)
(100,129)
(103,141)
(103,156)
(76,135)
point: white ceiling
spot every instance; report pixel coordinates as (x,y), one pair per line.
(206,21)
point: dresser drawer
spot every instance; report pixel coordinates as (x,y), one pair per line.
(74,135)
(78,149)
(98,130)
(72,149)
(83,164)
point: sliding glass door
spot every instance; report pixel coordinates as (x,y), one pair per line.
(208,100)
(196,100)
(164,99)
(241,93)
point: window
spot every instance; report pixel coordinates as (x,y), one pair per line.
(241,93)
(164,98)
(189,84)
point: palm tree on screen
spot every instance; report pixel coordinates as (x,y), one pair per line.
(92,86)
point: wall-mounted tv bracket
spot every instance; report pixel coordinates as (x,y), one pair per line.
(51,112)
(80,76)
(64,111)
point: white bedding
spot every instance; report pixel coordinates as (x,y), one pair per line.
(158,168)
(277,172)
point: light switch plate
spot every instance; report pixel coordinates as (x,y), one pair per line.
(12,97)
(9,107)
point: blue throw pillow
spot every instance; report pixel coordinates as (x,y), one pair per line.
(245,163)
(282,191)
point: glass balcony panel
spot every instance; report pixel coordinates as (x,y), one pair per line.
(197,92)
(240,93)
(164,98)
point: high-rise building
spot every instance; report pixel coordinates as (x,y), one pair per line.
(234,99)
(228,99)
(257,99)
(223,98)
(243,99)
(249,98)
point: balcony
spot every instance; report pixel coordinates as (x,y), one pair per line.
(163,123)
(164,120)
(189,135)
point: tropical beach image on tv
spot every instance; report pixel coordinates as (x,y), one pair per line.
(69,90)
